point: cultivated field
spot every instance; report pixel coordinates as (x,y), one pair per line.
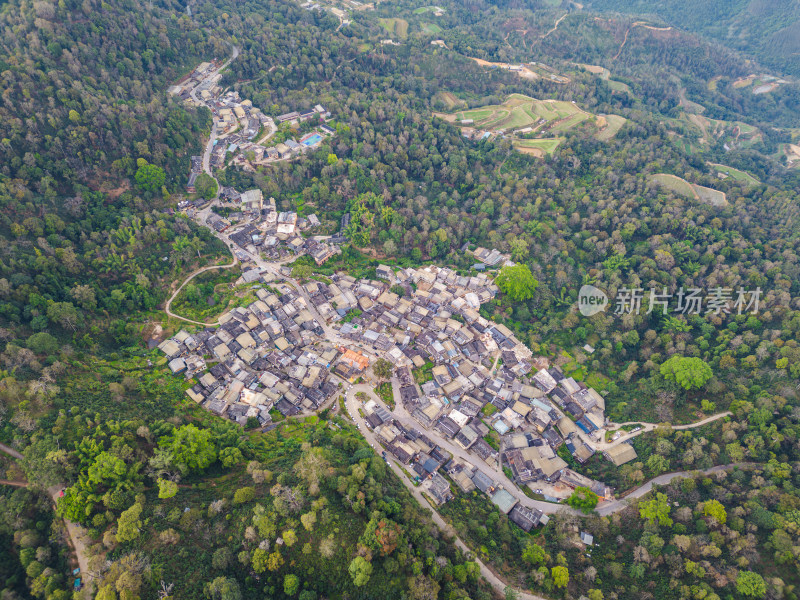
(613,123)
(735,174)
(691,191)
(519,112)
(394,26)
(450,99)
(537,148)
(430,28)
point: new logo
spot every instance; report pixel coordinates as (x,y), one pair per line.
(591,300)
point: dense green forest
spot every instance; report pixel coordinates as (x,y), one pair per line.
(180,504)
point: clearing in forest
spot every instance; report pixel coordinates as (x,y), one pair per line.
(395,26)
(735,174)
(613,123)
(450,99)
(436,10)
(521,112)
(537,148)
(430,28)
(692,191)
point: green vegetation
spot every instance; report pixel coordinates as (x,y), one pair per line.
(396,26)
(385,393)
(583,499)
(688,372)
(423,374)
(210,294)
(517,282)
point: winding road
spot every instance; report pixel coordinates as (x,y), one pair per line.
(188,279)
(205,84)
(352,405)
(76,533)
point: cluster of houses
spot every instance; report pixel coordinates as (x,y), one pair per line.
(483,392)
(489,258)
(271,355)
(251,154)
(534,408)
(238,124)
(270,232)
(184,87)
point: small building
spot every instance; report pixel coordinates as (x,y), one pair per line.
(504,501)
(483,482)
(525,518)
(587,538)
(620,454)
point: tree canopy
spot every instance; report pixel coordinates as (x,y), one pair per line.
(517,282)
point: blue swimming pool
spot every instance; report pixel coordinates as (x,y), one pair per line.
(313,140)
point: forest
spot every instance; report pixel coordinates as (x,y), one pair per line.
(177,503)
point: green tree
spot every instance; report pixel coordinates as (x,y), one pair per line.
(260,560)
(167,488)
(230,457)
(244,495)
(583,499)
(751,584)
(222,558)
(43,343)
(360,570)
(129,524)
(301,271)
(715,510)
(275,561)
(223,588)
(517,282)
(206,186)
(150,178)
(289,538)
(656,509)
(291,583)
(689,372)
(534,554)
(192,449)
(382,369)
(560,576)
(107,592)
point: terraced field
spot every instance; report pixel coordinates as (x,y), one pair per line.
(735,174)
(692,191)
(613,124)
(537,148)
(398,27)
(520,111)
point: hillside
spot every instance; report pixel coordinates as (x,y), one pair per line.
(769,31)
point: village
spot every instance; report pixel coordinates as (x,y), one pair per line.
(471,403)
(241,131)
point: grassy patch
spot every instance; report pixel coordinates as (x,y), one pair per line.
(424,374)
(385,393)
(210,294)
(544,146)
(489,409)
(430,28)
